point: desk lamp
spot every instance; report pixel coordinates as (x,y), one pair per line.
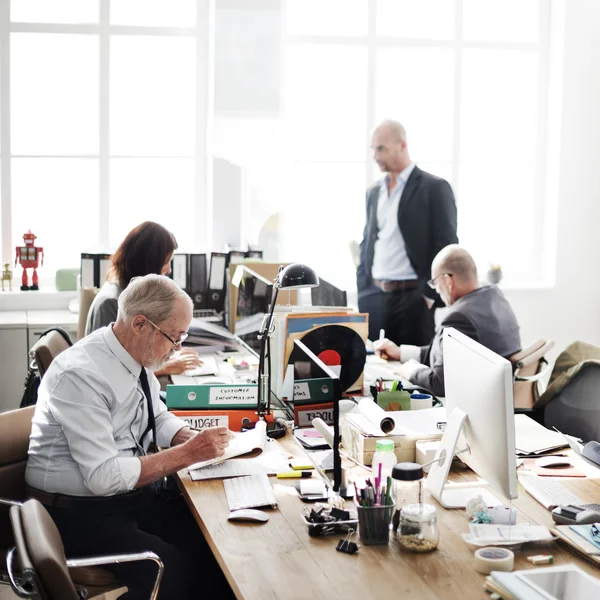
(292,277)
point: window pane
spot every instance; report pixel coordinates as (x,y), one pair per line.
(499,109)
(159,13)
(152,189)
(54,11)
(425,19)
(54,93)
(327,17)
(326,102)
(501,20)
(491,217)
(152,96)
(420,95)
(57,198)
(324,211)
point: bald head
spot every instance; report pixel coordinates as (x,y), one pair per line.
(454,272)
(390,150)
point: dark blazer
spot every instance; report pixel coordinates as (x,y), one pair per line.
(486,317)
(427,221)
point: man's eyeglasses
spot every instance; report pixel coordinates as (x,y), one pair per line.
(181,339)
(431,282)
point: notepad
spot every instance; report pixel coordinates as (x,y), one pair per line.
(247,444)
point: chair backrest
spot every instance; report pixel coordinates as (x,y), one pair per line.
(46,349)
(529,367)
(40,551)
(15,428)
(86,297)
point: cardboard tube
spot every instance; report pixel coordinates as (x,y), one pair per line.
(325,430)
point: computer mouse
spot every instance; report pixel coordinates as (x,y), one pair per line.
(248,514)
(553,462)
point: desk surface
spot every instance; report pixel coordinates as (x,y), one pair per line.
(279,560)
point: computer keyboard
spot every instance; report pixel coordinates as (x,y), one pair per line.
(547,492)
(250,491)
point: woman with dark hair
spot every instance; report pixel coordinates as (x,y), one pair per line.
(147,248)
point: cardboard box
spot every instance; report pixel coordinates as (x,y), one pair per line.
(362,447)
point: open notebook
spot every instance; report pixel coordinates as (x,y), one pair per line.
(245,445)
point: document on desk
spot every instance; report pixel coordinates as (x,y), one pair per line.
(503,535)
(273,460)
(430,422)
(533,438)
(247,444)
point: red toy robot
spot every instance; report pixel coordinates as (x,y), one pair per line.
(29,255)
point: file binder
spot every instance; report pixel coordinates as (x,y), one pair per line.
(180,268)
(235,257)
(212,396)
(198,281)
(216,281)
(88,270)
(103,267)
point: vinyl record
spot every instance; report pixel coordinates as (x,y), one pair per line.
(334,345)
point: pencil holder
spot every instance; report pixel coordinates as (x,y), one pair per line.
(374,523)
(399,400)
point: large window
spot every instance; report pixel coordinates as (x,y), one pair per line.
(112,112)
(467,79)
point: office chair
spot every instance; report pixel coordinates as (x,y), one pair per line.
(43,570)
(15,429)
(86,297)
(529,368)
(47,348)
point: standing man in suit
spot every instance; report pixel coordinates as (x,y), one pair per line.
(411,216)
(483,313)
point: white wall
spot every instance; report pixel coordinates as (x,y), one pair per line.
(571,309)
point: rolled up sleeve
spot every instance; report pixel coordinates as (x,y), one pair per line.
(85,417)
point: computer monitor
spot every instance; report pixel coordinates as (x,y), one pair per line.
(326,294)
(480,422)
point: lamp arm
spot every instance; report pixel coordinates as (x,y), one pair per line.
(263,334)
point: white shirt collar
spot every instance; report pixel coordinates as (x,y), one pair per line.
(402,176)
(117,349)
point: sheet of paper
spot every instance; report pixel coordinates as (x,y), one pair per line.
(521,532)
(325,430)
(268,463)
(364,425)
(208,367)
(252,441)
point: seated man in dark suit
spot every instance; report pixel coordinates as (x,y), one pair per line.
(483,313)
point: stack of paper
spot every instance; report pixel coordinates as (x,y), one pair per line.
(533,438)
(566,582)
(505,535)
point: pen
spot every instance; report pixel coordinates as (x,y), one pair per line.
(294,475)
(381,335)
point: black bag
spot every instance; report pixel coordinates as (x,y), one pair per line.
(32,380)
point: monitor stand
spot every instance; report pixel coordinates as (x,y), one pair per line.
(447,494)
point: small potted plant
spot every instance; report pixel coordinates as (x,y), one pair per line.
(494,274)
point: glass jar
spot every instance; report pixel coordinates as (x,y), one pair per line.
(418,530)
(407,478)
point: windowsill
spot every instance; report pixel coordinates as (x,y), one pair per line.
(46,298)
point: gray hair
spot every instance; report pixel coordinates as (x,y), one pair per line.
(394,128)
(153,296)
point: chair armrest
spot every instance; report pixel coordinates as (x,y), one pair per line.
(7,502)
(523,360)
(96,561)
(25,588)
(541,373)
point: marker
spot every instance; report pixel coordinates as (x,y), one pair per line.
(294,475)
(382,354)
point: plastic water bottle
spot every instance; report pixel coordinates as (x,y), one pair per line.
(384,456)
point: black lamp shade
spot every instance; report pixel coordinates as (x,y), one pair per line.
(297,276)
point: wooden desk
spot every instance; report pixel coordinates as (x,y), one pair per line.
(279,560)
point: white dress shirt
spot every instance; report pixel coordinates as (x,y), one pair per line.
(90,415)
(390,260)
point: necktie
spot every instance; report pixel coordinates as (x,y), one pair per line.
(151,422)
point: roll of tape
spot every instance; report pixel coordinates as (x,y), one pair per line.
(493,559)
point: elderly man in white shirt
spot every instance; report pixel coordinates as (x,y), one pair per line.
(97,413)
